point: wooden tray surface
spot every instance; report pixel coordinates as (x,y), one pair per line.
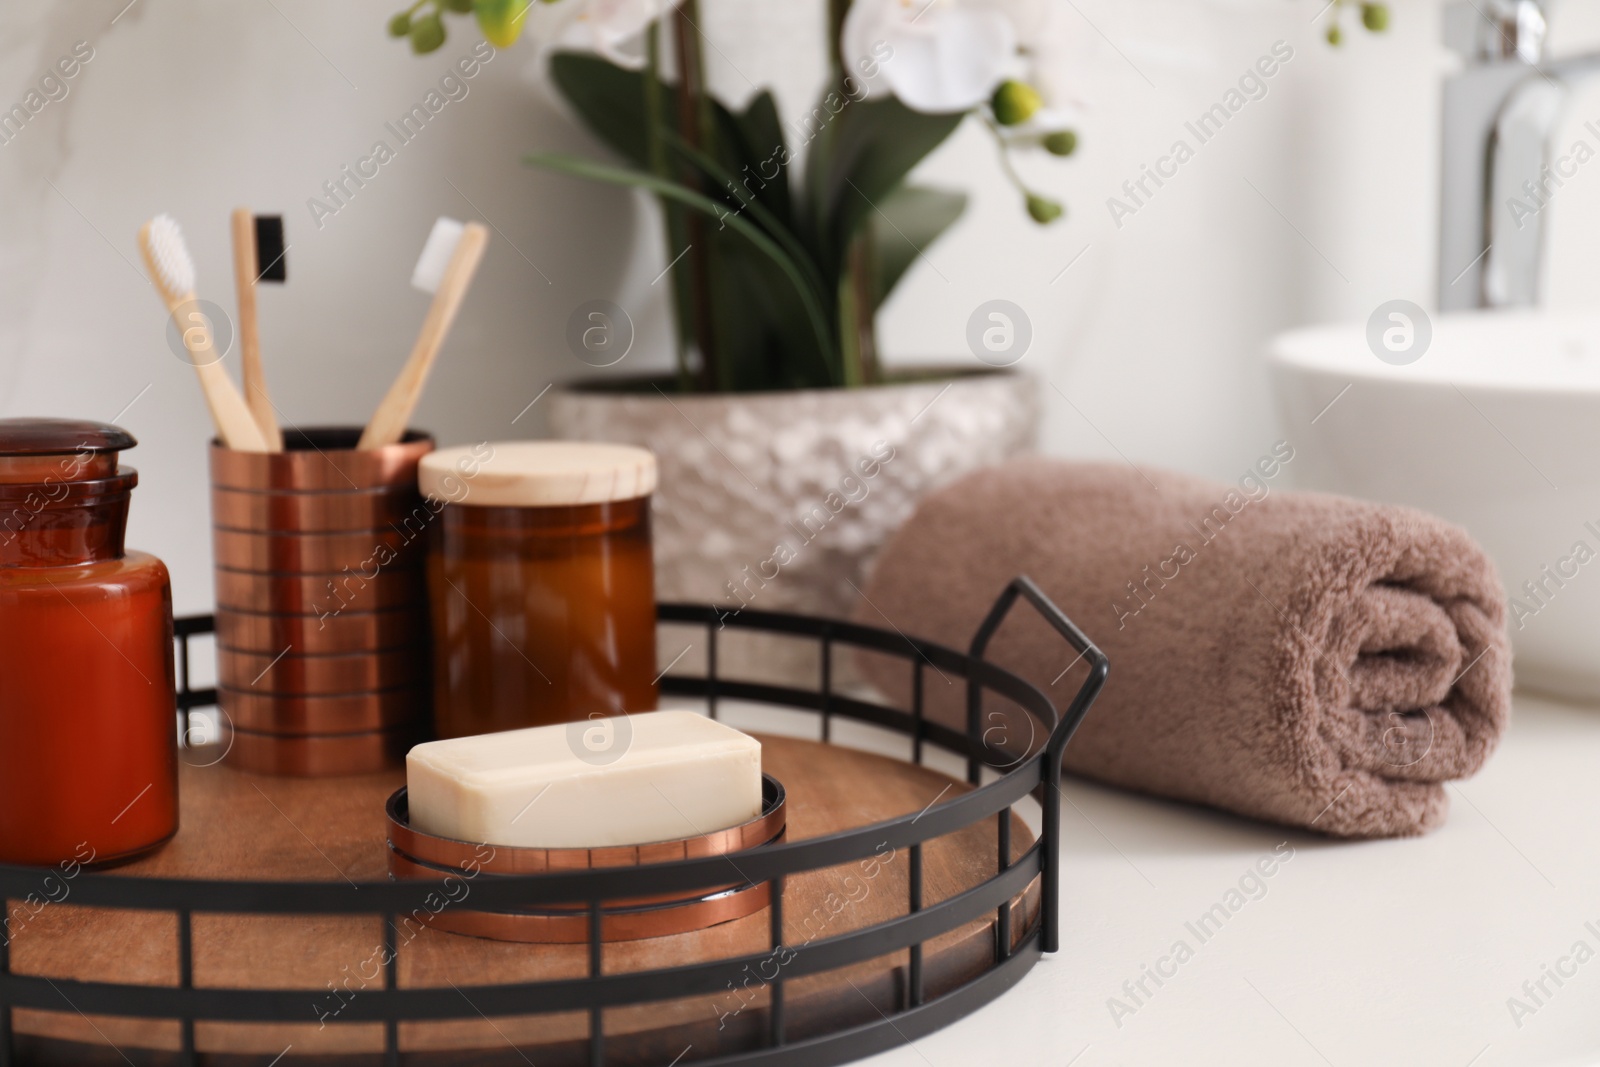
(241,826)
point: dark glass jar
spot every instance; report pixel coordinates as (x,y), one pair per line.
(88,718)
(541,584)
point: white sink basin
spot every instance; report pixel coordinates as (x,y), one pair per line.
(1495,427)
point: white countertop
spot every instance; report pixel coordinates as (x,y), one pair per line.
(1357,953)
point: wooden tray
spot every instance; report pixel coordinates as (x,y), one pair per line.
(237,825)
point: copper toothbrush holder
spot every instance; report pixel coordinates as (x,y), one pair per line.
(322,612)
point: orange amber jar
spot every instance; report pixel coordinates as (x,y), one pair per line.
(541,584)
(88,720)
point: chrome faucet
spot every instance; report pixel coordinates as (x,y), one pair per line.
(1500,167)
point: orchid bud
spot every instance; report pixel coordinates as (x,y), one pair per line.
(400,25)
(1375,17)
(1014,103)
(1042,209)
(1060,143)
(1335,36)
(427,33)
(501,20)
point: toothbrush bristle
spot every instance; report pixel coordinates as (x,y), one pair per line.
(271,262)
(169,256)
(441,245)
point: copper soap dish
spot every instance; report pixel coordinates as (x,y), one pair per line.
(417,855)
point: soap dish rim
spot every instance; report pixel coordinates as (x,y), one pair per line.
(435,850)
(636,921)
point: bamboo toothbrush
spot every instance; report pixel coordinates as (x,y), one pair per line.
(445,269)
(167,259)
(256,239)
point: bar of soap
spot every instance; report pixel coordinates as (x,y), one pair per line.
(630,780)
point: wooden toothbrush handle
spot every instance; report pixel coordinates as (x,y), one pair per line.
(256,397)
(388,423)
(235,425)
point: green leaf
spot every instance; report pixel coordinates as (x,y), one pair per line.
(774,271)
(912,218)
(609,99)
(749,201)
(765,163)
(761,323)
(757,313)
(862,154)
(793,273)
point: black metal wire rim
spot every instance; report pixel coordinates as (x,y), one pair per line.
(899,1029)
(1035,771)
(840,1046)
(336,898)
(566,994)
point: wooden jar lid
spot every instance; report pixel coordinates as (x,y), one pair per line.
(522,474)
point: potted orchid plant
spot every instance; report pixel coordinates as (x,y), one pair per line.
(785,238)
(788,451)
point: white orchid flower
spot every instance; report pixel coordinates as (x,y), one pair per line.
(951,55)
(942,55)
(613,29)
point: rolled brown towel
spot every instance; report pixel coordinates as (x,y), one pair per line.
(1296,657)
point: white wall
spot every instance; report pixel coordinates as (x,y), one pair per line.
(194,107)
(1155,335)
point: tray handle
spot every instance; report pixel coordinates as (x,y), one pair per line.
(1025,588)
(1050,859)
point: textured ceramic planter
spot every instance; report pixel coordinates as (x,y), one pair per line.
(780,500)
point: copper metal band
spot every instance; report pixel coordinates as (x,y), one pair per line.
(288,673)
(322,595)
(334,464)
(318,757)
(329,634)
(622,920)
(630,925)
(454,855)
(347,713)
(348,512)
(317,553)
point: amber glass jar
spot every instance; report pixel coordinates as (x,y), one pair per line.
(88,719)
(541,584)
